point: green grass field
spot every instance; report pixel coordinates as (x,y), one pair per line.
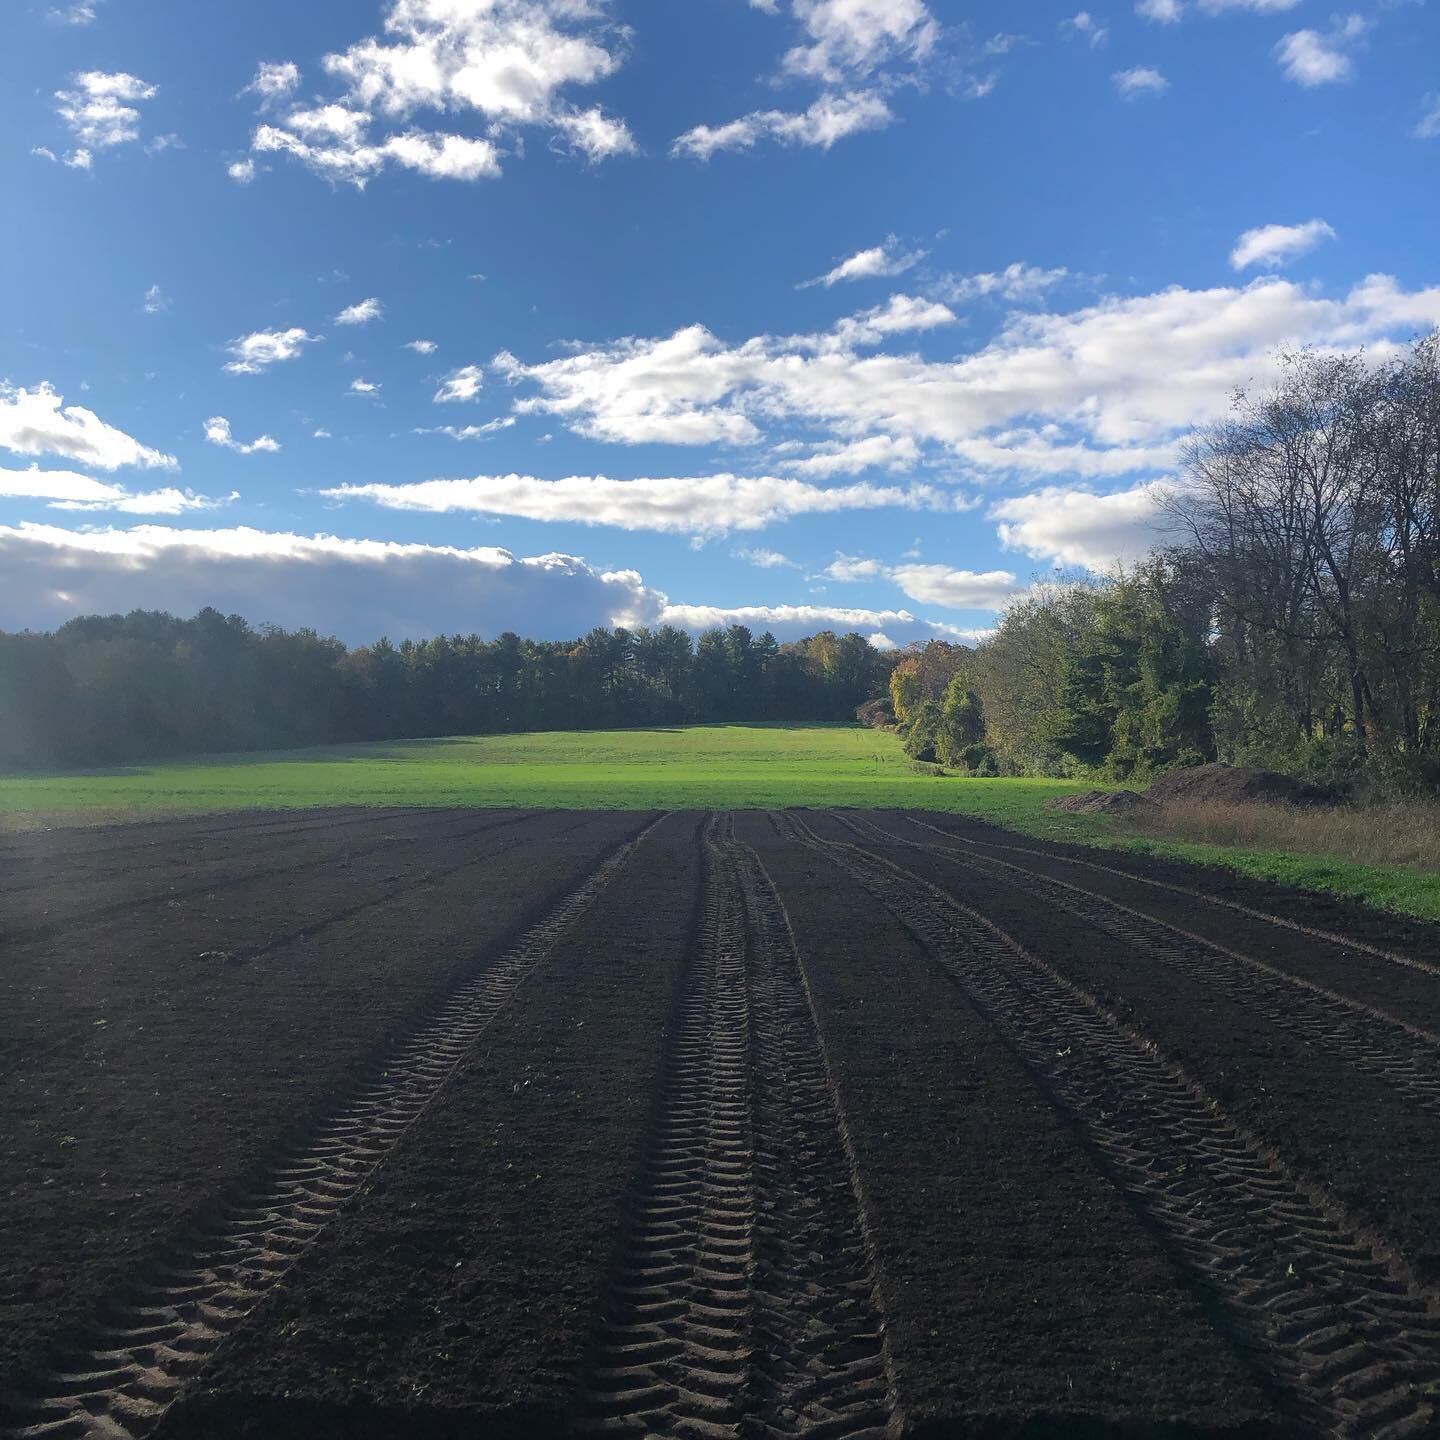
(700,767)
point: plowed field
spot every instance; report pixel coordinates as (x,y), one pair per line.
(446,1123)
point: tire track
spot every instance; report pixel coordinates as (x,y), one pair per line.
(1391,1050)
(743,1300)
(163,1332)
(46,929)
(1330,1316)
(1314,932)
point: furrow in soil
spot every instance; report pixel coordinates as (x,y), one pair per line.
(1401,1055)
(1315,932)
(742,1301)
(1336,1322)
(166,1328)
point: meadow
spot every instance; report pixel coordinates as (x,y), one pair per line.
(719,767)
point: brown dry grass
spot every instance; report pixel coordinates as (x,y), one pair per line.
(1398,833)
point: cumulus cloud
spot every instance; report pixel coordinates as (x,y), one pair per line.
(156,301)
(38,422)
(421,347)
(242,172)
(792,622)
(1141,80)
(274,81)
(1165,12)
(955,589)
(217,432)
(831,118)
(835,457)
(1310,59)
(1278,244)
(358,589)
(69,490)
(460,385)
(351,160)
(252,353)
(849,38)
(361,386)
(509,63)
(766,559)
(1075,526)
(877,262)
(1104,390)
(1016,282)
(1084,26)
(686,505)
(847,568)
(100,107)
(361,313)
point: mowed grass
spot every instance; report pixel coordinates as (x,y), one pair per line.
(691,767)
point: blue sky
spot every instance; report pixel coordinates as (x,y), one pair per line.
(851,313)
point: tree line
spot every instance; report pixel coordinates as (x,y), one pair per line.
(110,689)
(1290,619)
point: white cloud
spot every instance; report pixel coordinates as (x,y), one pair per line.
(1165,12)
(1016,282)
(1310,58)
(38,422)
(355,162)
(68,490)
(361,313)
(1142,80)
(1428,126)
(766,559)
(1277,244)
(879,261)
(685,505)
(1084,26)
(82,12)
(217,432)
(321,433)
(1075,526)
(461,385)
(156,300)
(358,589)
(791,622)
(257,351)
(360,386)
(835,457)
(242,172)
(469,432)
(955,589)
(100,109)
(831,118)
(274,81)
(1259,7)
(899,315)
(79,159)
(421,347)
(855,38)
(1104,390)
(594,134)
(846,568)
(508,62)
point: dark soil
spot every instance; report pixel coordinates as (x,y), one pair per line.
(177,1003)
(1102,802)
(140,1073)
(1237,784)
(465,1282)
(1015,1281)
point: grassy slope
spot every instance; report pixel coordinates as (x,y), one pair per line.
(704,767)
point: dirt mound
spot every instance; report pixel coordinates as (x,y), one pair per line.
(1237,784)
(1102,802)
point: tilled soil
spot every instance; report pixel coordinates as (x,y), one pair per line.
(457,1122)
